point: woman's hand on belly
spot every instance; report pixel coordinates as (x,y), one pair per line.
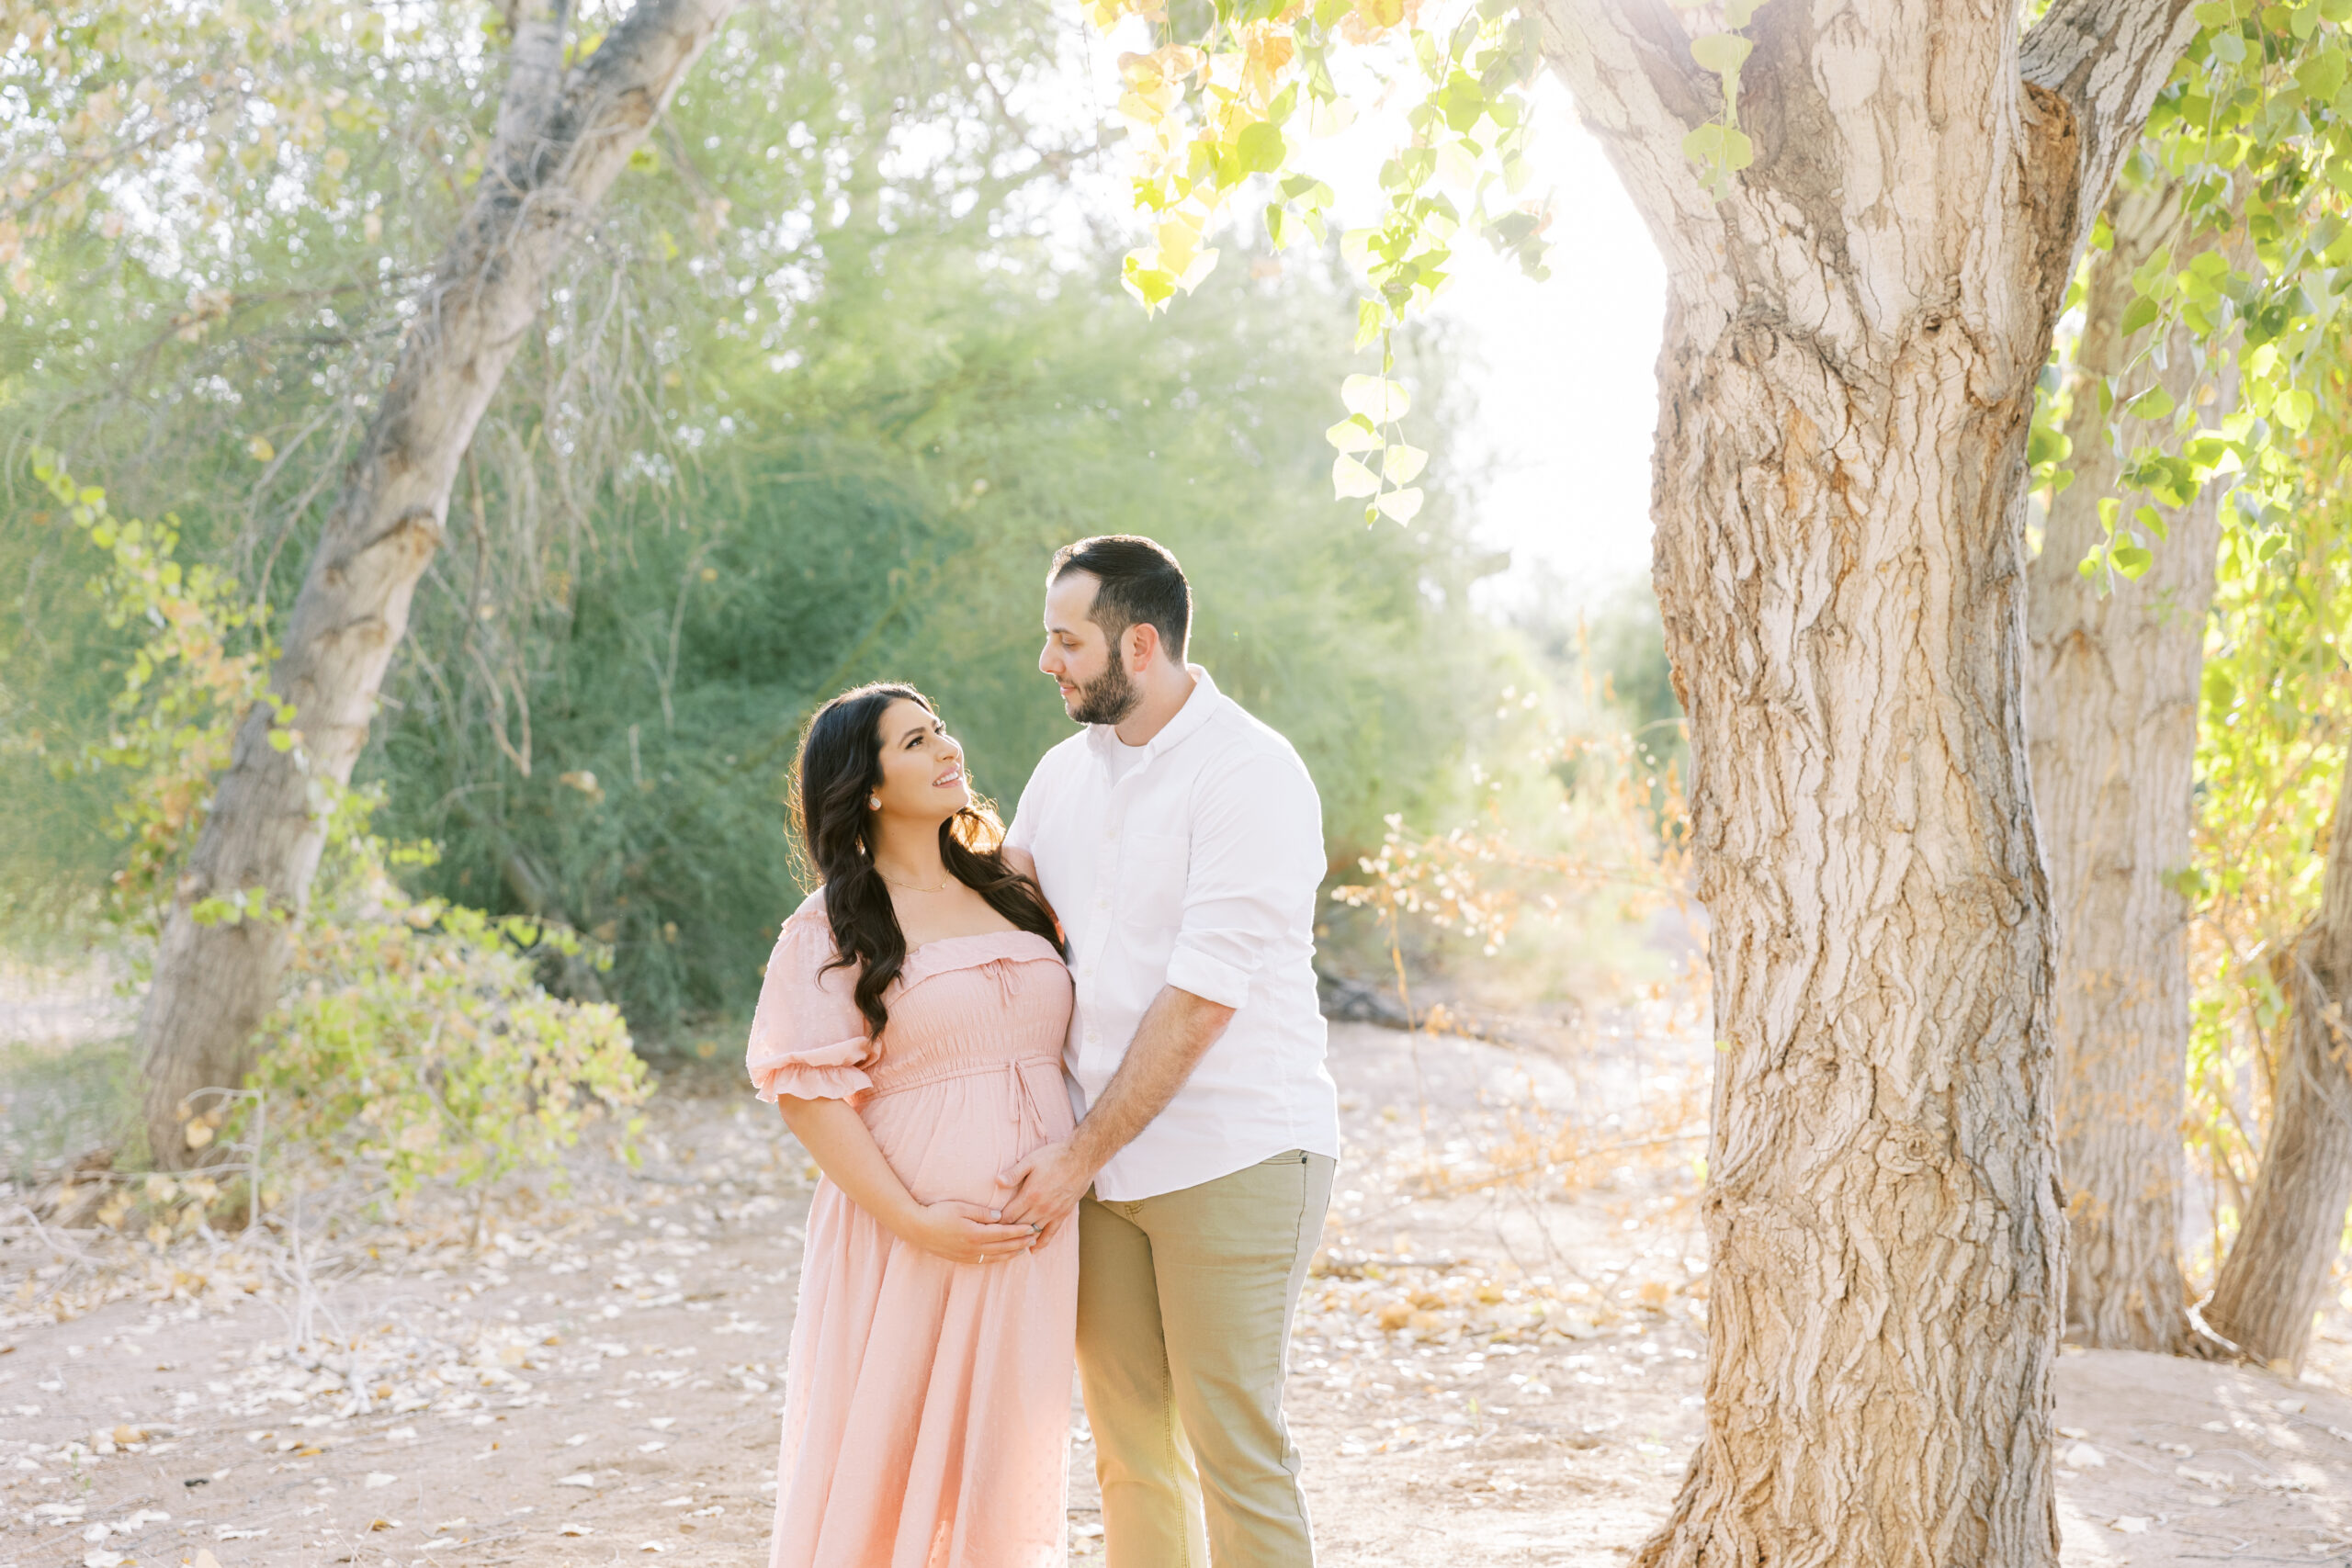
(965,1233)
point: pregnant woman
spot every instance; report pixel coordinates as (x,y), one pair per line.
(910,1029)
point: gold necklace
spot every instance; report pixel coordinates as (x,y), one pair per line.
(908,886)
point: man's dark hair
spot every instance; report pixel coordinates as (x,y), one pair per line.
(1140,584)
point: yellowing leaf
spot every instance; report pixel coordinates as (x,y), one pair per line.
(1201,265)
(260,450)
(1376,397)
(1403,464)
(1350,477)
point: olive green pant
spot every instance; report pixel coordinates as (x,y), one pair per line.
(1185,1305)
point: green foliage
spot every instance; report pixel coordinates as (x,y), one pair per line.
(126,115)
(414,1040)
(1719,147)
(2255,130)
(1210,111)
(2272,739)
(886,507)
(414,1033)
(826,425)
(182,695)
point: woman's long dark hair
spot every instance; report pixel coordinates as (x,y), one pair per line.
(840,765)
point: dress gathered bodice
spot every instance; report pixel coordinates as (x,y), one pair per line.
(972,1004)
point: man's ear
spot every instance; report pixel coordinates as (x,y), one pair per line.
(1143,644)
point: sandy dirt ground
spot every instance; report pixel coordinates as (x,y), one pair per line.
(1497,1360)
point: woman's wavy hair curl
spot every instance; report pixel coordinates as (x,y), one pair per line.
(839,765)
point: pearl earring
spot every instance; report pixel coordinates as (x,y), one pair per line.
(874,803)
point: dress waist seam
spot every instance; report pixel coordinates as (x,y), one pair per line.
(924,1080)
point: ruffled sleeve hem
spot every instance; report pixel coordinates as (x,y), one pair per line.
(807,1038)
(829,1072)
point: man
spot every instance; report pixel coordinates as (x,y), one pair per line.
(1181,841)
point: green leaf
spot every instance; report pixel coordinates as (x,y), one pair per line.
(1722,54)
(2294,408)
(1400,506)
(2148,517)
(1350,477)
(1353,434)
(1150,285)
(2131,560)
(1260,149)
(1721,149)
(2154,403)
(1737,12)
(2323,73)
(1402,465)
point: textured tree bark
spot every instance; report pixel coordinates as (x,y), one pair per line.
(2111,713)
(2278,1268)
(561,138)
(1853,335)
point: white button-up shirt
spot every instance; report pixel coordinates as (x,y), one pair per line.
(1195,866)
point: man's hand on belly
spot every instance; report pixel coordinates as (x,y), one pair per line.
(1046,1186)
(1176,1033)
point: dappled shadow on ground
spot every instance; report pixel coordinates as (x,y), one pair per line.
(1497,1359)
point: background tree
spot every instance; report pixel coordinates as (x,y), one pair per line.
(2279,1266)
(562,136)
(2271,878)
(2111,709)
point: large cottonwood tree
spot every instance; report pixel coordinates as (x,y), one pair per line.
(1854,329)
(564,134)
(1867,249)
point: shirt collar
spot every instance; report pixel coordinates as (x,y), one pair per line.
(1198,709)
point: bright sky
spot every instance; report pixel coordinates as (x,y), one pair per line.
(1562,373)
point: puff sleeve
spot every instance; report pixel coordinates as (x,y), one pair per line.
(808,1040)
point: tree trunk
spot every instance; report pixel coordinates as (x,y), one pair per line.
(2111,713)
(2278,1268)
(561,138)
(1853,335)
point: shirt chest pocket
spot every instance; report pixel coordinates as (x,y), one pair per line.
(1150,893)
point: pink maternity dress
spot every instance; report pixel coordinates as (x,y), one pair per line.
(926,1408)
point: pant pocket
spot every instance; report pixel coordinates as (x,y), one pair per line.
(1288,1157)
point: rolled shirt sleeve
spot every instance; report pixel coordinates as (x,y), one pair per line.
(1256,859)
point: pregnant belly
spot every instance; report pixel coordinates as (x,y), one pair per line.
(951,1138)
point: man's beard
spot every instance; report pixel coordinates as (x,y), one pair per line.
(1109,697)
